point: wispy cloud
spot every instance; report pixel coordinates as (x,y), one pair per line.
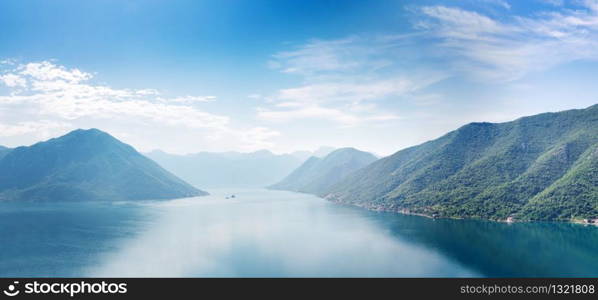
(13,80)
(43,129)
(67,94)
(553,2)
(502,3)
(339,75)
(318,57)
(319,112)
(189,99)
(349,92)
(507,50)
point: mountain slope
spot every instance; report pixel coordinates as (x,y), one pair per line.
(541,167)
(319,174)
(228,169)
(320,152)
(323,151)
(4,151)
(86,165)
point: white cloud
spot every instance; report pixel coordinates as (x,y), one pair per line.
(62,93)
(507,50)
(46,71)
(41,129)
(293,111)
(147,92)
(189,99)
(257,138)
(352,92)
(337,102)
(62,96)
(13,80)
(255,96)
(341,74)
(8,61)
(317,56)
(307,112)
(553,2)
(502,3)
(460,24)
(326,57)
(351,81)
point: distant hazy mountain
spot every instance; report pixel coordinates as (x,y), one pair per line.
(302,155)
(4,151)
(86,165)
(320,152)
(318,174)
(543,167)
(323,151)
(228,169)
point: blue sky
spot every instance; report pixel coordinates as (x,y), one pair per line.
(190,76)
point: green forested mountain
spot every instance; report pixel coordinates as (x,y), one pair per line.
(317,175)
(86,165)
(543,167)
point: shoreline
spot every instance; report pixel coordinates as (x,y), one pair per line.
(509,220)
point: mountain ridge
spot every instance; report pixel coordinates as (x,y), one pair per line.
(4,151)
(86,165)
(489,170)
(317,174)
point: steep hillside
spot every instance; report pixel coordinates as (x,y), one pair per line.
(318,174)
(4,151)
(86,165)
(542,167)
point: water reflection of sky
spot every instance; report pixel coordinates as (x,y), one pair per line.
(271,233)
(265,233)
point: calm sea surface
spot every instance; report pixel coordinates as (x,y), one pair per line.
(273,233)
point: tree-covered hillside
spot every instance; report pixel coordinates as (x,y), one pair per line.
(4,151)
(543,167)
(318,174)
(86,165)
